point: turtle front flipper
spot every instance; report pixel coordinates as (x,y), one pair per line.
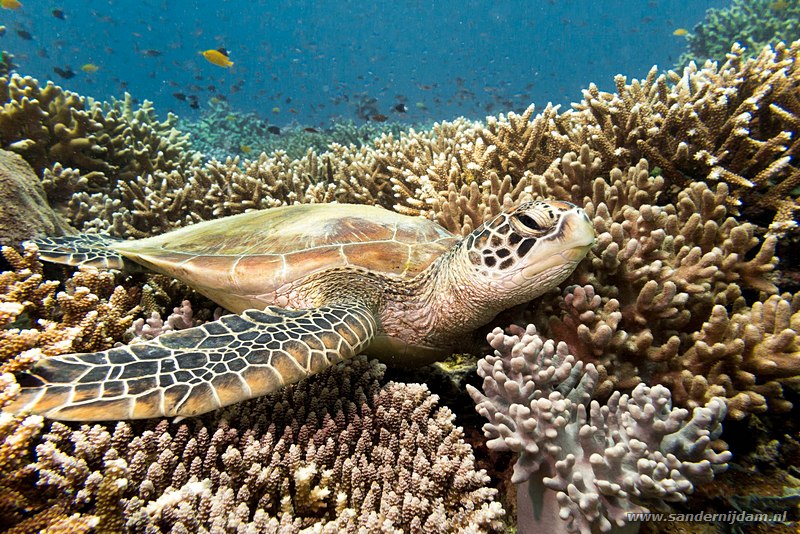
(196,370)
(84,249)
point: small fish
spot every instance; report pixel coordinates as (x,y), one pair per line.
(64,73)
(274,130)
(10,4)
(310,130)
(246,148)
(779,5)
(230,117)
(89,68)
(194,105)
(180,96)
(150,52)
(276,109)
(379,117)
(400,108)
(421,105)
(218,57)
(25,35)
(59,14)
(2,31)
(680,32)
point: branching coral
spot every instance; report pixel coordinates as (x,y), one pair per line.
(581,462)
(91,314)
(735,124)
(752,23)
(334,453)
(77,145)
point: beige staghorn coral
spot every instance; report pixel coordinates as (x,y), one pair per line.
(658,273)
(735,123)
(92,313)
(336,452)
(77,145)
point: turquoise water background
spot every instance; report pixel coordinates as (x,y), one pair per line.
(309,61)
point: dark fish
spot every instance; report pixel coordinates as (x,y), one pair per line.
(25,35)
(150,53)
(194,105)
(64,73)
(274,130)
(310,130)
(57,13)
(400,108)
(379,117)
(180,96)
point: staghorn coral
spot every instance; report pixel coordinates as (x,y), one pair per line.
(580,462)
(735,124)
(90,314)
(78,145)
(752,23)
(659,273)
(336,452)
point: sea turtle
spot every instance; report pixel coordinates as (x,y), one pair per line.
(309,286)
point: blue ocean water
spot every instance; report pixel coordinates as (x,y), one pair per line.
(311,61)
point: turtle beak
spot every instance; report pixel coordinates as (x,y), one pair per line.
(579,232)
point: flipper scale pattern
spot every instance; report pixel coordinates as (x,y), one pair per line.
(196,370)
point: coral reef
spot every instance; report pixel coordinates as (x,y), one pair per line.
(691,182)
(79,147)
(24,212)
(6,63)
(221,132)
(580,462)
(753,24)
(338,452)
(37,321)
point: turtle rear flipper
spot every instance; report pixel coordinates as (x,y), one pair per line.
(84,249)
(196,370)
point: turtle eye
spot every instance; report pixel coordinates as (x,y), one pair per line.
(528,221)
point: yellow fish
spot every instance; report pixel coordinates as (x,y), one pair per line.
(10,4)
(245,148)
(276,109)
(680,32)
(218,57)
(90,68)
(779,5)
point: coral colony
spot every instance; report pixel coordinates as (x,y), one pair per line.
(678,322)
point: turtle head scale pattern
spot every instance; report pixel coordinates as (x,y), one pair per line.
(525,251)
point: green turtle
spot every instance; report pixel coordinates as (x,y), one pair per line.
(309,286)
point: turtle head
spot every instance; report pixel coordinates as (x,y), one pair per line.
(525,251)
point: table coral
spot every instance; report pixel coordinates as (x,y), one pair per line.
(583,463)
(337,452)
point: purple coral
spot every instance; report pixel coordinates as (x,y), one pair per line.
(583,467)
